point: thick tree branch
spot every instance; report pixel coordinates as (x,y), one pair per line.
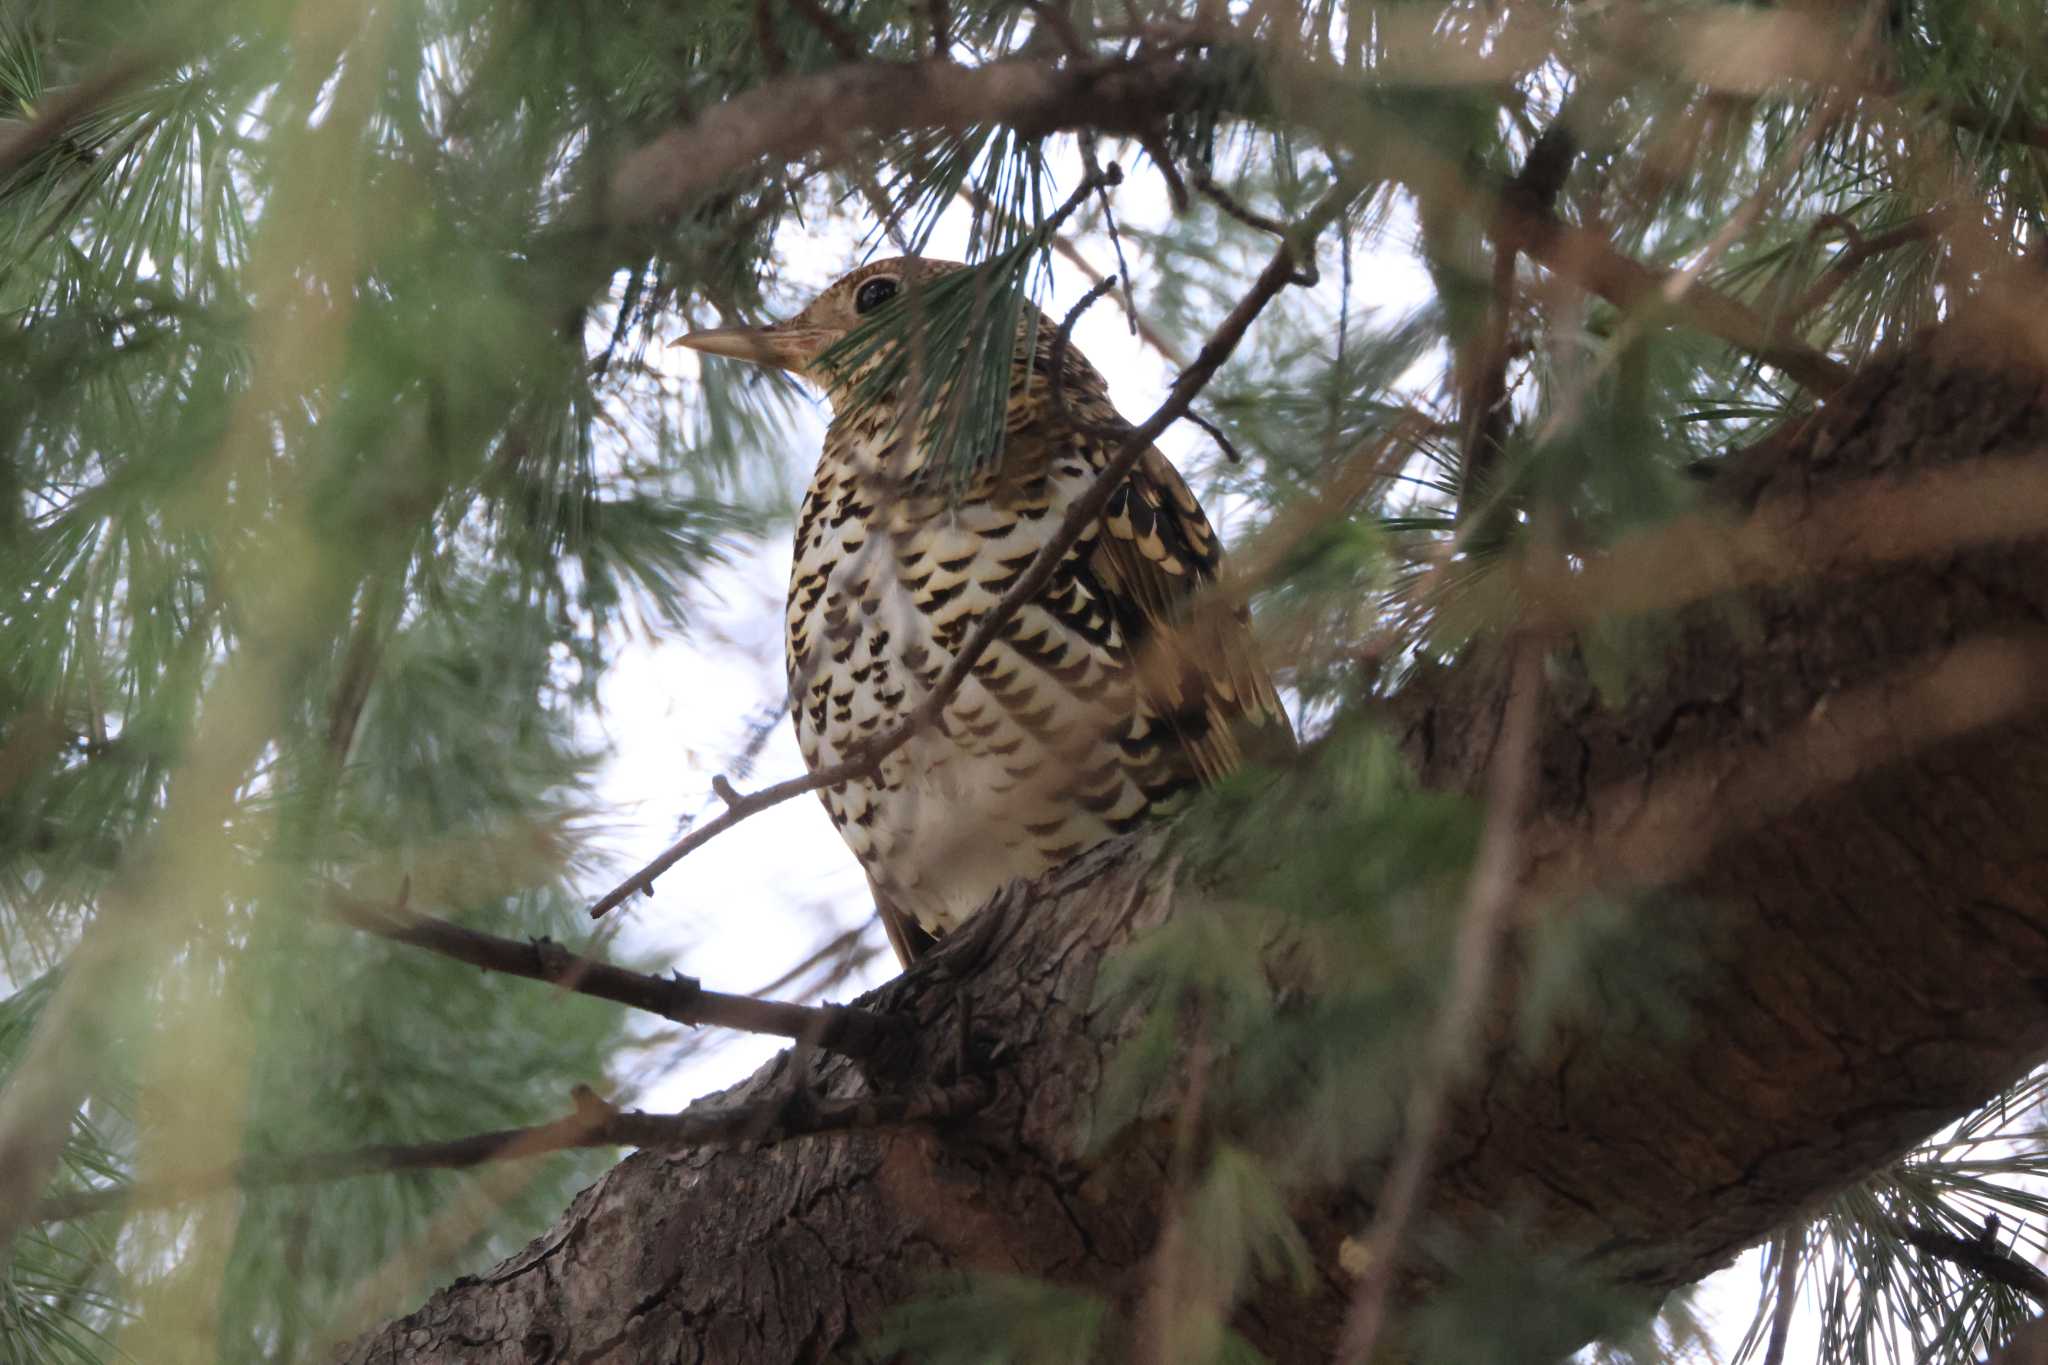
(797,115)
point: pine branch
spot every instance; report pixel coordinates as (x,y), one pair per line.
(1980,1256)
(1591,261)
(594,1124)
(1484,418)
(1284,268)
(73,106)
(1923,227)
(844,1029)
(1490,898)
(796,115)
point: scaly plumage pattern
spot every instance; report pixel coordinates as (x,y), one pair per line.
(1102,700)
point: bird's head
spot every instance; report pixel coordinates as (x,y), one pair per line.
(796,343)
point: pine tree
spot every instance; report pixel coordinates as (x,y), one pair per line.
(1659,600)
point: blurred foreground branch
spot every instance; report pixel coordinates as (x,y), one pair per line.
(594,1124)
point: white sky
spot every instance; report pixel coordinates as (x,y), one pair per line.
(755,901)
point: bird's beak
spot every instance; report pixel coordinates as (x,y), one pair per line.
(778,344)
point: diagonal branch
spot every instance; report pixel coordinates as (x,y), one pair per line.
(1982,1257)
(1282,270)
(1489,903)
(594,1124)
(834,1028)
(76,104)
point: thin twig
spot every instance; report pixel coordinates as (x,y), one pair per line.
(1230,204)
(1064,244)
(594,1124)
(1282,270)
(844,1029)
(1116,238)
(1229,449)
(1056,360)
(1480,930)
(1925,227)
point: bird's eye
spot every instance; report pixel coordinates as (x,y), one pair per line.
(873,294)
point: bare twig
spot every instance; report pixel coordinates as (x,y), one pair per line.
(836,1028)
(1924,227)
(1491,894)
(594,1124)
(1224,443)
(1251,218)
(1116,238)
(1064,245)
(1283,269)
(1056,359)
(1229,203)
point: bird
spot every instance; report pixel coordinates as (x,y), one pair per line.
(1103,703)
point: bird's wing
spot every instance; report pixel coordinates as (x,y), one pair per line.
(1158,557)
(1192,651)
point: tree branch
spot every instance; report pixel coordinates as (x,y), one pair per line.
(1488,901)
(794,116)
(594,1124)
(64,113)
(834,1028)
(1484,417)
(1980,1257)
(1282,270)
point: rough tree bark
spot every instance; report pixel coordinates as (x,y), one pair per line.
(1836,787)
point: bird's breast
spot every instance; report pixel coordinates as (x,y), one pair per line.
(1031,760)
